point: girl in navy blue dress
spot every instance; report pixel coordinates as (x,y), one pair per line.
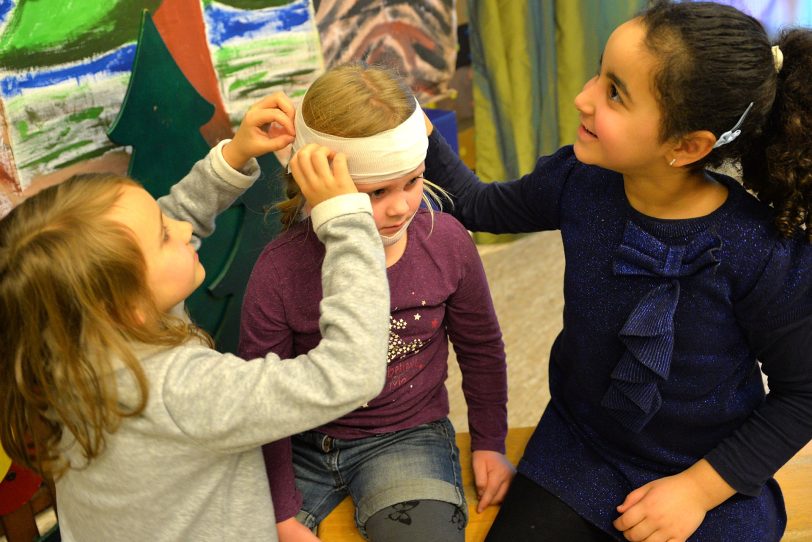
(678,282)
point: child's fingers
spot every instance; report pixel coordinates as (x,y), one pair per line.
(495,483)
(482,482)
(631,517)
(299,167)
(312,171)
(494,494)
(262,117)
(633,498)
(277,100)
(302,167)
(480,469)
(319,159)
(502,490)
(341,173)
(487,496)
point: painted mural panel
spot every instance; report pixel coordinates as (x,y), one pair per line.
(62,83)
(65,65)
(64,68)
(261,47)
(418,38)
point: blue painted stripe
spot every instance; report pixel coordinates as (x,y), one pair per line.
(5,9)
(226,23)
(120,60)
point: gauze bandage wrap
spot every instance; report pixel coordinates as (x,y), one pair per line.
(380,157)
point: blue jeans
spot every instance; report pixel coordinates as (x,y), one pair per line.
(383,470)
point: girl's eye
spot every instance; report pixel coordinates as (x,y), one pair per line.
(166,234)
(614,95)
(413,182)
(378,193)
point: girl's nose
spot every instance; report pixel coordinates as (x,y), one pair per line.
(399,207)
(583,101)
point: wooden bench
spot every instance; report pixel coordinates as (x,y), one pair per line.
(795,479)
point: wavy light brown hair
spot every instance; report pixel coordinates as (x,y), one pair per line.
(73,302)
(714,61)
(353,100)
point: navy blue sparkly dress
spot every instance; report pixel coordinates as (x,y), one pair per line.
(664,320)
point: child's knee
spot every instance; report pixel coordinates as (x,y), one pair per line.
(424,520)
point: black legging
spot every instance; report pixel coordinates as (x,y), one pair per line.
(532,514)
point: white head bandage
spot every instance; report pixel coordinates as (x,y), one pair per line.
(398,235)
(381,157)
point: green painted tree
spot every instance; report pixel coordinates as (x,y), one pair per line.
(161,115)
(160,119)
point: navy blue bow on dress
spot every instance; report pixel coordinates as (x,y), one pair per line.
(633,396)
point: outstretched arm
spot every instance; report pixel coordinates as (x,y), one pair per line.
(525,205)
(224,403)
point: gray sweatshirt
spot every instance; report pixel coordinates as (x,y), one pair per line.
(189,467)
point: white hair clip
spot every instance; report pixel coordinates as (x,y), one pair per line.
(778,58)
(734,132)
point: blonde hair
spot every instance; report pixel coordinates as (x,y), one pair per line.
(73,300)
(354,100)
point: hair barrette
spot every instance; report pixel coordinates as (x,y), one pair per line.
(734,132)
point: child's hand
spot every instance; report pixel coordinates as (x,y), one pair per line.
(492,476)
(266,127)
(290,530)
(672,508)
(320,173)
(665,509)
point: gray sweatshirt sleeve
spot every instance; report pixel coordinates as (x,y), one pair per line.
(207,190)
(225,403)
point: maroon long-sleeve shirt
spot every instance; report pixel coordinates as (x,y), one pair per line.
(438,292)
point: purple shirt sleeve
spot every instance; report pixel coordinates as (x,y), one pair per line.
(263,328)
(287,499)
(474,331)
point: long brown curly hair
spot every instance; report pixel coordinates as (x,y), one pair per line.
(73,302)
(714,61)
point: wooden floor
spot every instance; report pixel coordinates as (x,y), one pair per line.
(796,482)
(795,479)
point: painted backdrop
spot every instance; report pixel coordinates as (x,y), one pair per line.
(65,65)
(145,87)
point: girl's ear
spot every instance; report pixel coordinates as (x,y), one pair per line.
(693,147)
(139,315)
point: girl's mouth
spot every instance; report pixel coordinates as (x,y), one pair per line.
(585,135)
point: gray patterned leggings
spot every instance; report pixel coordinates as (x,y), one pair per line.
(412,521)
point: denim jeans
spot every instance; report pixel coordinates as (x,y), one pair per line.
(379,471)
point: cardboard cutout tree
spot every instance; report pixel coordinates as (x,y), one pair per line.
(160,119)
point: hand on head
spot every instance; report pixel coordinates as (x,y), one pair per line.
(266,127)
(321,173)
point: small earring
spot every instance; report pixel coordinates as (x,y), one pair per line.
(671,163)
